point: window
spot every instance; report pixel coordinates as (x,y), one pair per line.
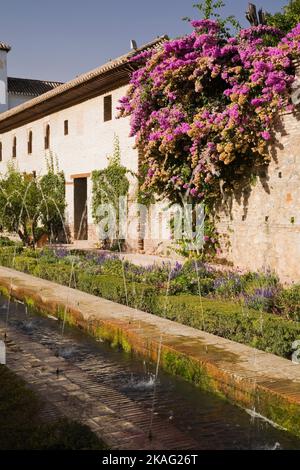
(47,137)
(66,127)
(29,143)
(14,148)
(107,108)
(0,151)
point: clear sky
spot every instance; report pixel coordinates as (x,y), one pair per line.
(59,39)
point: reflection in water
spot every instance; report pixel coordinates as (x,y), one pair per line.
(210,421)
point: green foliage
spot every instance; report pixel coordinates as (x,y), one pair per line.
(194,278)
(30,206)
(25,264)
(62,274)
(109,185)
(192,285)
(288,18)
(208,9)
(113,288)
(53,203)
(5,241)
(232,321)
(288,301)
(8,254)
(18,203)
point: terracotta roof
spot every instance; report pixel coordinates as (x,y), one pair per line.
(26,86)
(4,47)
(86,86)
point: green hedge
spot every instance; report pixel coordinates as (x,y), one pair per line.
(230,320)
(266,332)
(113,288)
(288,302)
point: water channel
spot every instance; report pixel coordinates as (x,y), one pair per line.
(201,416)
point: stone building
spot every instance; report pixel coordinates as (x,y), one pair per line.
(15,91)
(74,122)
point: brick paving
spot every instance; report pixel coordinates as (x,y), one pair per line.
(74,394)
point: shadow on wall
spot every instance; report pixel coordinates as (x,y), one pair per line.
(239,180)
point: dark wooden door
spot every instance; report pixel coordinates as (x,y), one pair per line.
(80,209)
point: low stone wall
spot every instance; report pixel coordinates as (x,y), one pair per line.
(250,378)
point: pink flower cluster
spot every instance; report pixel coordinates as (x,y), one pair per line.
(202,102)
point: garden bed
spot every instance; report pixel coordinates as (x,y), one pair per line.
(251,308)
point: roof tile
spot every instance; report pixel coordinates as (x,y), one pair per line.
(4,47)
(26,86)
(61,90)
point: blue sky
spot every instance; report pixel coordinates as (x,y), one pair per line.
(59,39)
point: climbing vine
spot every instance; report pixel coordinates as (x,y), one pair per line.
(109,184)
(203,103)
(202,107)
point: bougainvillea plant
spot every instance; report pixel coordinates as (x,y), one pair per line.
(203,106)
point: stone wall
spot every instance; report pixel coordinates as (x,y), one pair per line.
(262,229)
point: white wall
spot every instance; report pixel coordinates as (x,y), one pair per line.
(3,81)
(86,148)
(15,100)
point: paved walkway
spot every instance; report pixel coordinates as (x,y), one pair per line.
(145,260)
(135,258)
(249,377)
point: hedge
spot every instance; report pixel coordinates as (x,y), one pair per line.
(263,331)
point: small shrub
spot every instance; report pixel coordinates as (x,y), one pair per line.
(5,241)
(198,268)
(112,266)
(253,281)
(8,253)
(25,264)
(262,299)
(288,302)
(62,274)
(192,285)
(228,286)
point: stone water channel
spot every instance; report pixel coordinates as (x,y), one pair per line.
(116,394)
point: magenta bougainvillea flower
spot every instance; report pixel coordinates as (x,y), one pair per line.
(204,103)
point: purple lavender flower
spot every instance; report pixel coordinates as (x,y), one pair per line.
(61,253)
